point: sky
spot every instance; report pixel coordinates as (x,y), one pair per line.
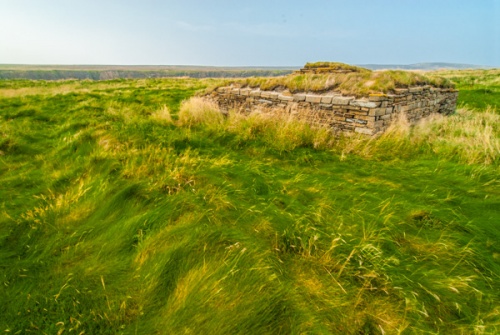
(249,33)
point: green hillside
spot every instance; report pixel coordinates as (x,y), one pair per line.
(125,211)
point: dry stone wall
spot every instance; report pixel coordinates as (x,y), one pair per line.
(368,115)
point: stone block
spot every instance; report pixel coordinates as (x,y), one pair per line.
(299,97)
(326,99)
(274,95)
(285,97)
(366,117)
(366,131)
(341,100)
(265,94)
(255,93)
(401,91)
(376,111)
(378,97)
(352,120)
(359,112)
(364,103)
(313,98)
(235,91)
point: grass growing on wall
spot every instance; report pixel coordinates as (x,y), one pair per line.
(123,210)
(358,83)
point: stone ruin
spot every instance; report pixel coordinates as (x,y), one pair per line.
(370,115)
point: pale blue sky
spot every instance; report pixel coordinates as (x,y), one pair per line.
(249,33)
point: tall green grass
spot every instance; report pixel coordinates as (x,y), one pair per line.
(124,211)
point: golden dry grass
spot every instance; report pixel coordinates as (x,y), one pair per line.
(358,83)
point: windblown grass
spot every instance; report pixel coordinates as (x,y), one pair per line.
(467,137)
(281,132)
(116,220)
(198,111)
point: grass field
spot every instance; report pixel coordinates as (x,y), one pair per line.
(479,89)
(125,211)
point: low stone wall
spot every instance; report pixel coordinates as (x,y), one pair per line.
(369,115)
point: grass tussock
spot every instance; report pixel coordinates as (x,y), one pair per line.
(162,115)
(197,111)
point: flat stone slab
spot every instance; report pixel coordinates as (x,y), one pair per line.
(265,94)
(377,112)
(285,97)
(313,98)
(365,103)
(327,99)
(337,100)
(299,97)
(274,95)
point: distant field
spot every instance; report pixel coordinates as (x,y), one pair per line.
(478,88)
(109,72)
(125,211)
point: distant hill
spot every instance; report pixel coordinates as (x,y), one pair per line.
(424,66)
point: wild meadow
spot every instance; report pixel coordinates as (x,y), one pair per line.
(135,207)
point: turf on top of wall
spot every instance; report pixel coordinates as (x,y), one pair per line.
(344,78)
